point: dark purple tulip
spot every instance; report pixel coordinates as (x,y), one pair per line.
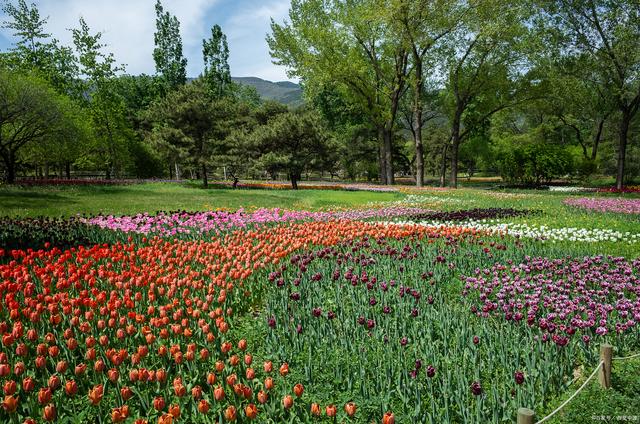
(414,312)
(413,374)
(272,322)
(430,300)
(361,320)
(431,371)
(404,341)
(386,310)
(476,340)
(418,364)
(370,324)
(296,282)
(299,328)
(373,301)
(295,296)
(317,312)
(519,377)
(331,315)
(476,388)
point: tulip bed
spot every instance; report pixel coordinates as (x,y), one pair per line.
(301,316)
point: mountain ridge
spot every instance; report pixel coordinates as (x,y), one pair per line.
(286,92)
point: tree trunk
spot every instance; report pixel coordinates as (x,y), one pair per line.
(10,165)
(381,157)
(455,147)
(205,181)
(178,174)
(46,171)
(622,147)
(596,139)
(443,166)
(294,181)
(170,170)
(388,159)
(417,122)
(67,170)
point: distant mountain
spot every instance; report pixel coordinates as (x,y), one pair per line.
(285,92)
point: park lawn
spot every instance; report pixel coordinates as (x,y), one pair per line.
(152,197)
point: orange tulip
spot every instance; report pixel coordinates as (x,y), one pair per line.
(350,409)
(331,410)
(49,412)
(388,418)
(262,397)
(10,403)
(251,411)
(158,403)
(298,389)
(165,419)
(315,410)
(203,406)
(230,413)
(287,402)
(174,411)
(268,366)
(95,394)
(284,369)
(218,393)
(268,383)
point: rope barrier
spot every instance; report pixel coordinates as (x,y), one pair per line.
(573,395)
(600,364)
(622,358)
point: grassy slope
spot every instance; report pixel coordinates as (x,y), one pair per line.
(67,201)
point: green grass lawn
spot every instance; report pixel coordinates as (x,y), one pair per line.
(152,197)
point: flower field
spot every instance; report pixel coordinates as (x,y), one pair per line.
(391,312)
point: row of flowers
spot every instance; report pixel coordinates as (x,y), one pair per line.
(539,232)
(606,204)
(173,223)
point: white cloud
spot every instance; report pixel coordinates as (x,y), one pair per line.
(246,33)
(128,27)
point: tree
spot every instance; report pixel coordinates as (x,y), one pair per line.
(31,112)
(36,51)
(348,43)
(483,52)
(193,125)
(607,31)
(215,52)
(105,105)
(293,142)
(171,65)
(422,25)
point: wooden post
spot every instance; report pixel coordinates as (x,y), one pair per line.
(525,416)
(604,376)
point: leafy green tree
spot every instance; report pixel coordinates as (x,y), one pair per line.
(35,50)
(348,43)
(33,116)
(171,65)
(607,32)
(293,142)
(481,59)
(422,25)
(190,124)
(105,105)
(215,52)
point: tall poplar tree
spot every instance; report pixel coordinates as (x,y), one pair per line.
(215,52)
(171,65)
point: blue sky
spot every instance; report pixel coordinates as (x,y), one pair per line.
(128,27)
